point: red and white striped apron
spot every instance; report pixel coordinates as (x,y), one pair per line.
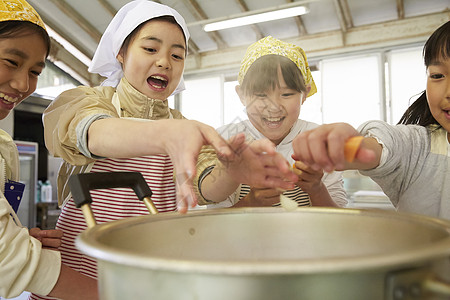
(114,204)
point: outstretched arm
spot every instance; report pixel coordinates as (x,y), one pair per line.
(180,139)
(323,148)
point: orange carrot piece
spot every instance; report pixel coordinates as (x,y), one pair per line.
(351,147)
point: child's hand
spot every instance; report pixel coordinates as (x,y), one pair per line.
(183,141)
(256,163)
(49,238)
(323,148)
(309,180)
(260,197)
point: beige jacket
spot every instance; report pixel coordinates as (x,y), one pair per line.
(68,117)
(24,265)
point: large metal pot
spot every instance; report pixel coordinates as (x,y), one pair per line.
(268,253)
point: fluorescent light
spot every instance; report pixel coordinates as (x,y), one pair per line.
(257,18)
(68,46)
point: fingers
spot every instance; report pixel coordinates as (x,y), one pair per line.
(51,242)
(267,192)
(211,137)
(185,193)
(365,155)
(49,238)
(323,147)
(265,196)
(34,232)
(263,146)
(321,144)
(52,233)
(275,173)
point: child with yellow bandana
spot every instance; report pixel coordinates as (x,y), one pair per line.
(274,81)
(29,260)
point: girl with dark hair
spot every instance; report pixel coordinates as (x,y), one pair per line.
(409,161)
(127,125)
(27,263)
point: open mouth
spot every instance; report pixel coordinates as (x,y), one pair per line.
(157,82)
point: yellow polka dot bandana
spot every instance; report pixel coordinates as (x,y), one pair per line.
(19,10)
(270,45)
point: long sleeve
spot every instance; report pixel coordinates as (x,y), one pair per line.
(63,116)
(24,265)
(416,181)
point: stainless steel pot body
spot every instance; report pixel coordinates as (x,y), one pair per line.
(268,253)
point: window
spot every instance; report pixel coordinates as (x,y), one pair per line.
(53,81)
(311,109)
(407,75)
(233,110)
(351,89)
(202,101)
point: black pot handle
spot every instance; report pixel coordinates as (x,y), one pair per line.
(81,185)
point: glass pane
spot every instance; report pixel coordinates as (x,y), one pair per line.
(311,109)
(407,79)
(351,89)
(233,109)
(53,81)
(201,101)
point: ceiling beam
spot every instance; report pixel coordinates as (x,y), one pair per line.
(299,21)
(108,7)
(340,15)
(243,6)
(400,9)
(386,34)
(347,13)
(75,67)
(198,12)
(78,19)
(67,37)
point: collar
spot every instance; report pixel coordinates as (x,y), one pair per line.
(134,104)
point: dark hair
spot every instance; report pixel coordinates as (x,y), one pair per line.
(262,75)
(132,35)
(436,47)
(13,29)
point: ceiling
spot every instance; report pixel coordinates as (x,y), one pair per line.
(331,26)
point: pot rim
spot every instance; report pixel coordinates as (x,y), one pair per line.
(88,243)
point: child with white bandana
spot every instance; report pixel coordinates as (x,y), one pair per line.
(127,125)
(274,81)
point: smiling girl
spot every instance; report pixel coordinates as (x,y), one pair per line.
(410,161)
(29,260)
(274,81)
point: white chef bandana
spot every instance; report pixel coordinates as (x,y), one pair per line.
(130,16)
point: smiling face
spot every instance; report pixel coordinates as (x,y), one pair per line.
(154,61)
(438,91)
(275,111)
(22,59)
